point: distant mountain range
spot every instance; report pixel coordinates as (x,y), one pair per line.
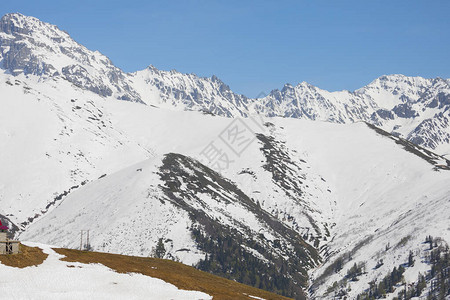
(414,108)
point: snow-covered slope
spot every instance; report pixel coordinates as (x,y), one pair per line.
(384,197)
(63,130)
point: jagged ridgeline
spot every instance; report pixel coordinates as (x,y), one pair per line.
(276,260)
(414,108)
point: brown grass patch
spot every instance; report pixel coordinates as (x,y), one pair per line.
(182,276)
(28,256)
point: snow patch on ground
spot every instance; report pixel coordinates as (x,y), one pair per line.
(54,279)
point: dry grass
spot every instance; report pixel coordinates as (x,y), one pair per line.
(182,276)
(28,256)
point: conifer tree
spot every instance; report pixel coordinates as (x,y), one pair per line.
(160,250)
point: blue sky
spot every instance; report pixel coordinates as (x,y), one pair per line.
(257,46)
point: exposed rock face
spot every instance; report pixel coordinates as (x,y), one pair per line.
(383,114)
(189,91)
(405,111)
(80,77)
(305,101)
(432,132)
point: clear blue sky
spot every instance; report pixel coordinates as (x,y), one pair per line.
(256,46)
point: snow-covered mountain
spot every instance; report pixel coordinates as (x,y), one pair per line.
(174,90)
(275,199)
(412,107)
(30,46)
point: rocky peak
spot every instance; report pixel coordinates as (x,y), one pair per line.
(18,23)
(30,46)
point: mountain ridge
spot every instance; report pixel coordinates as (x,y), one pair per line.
(414,108)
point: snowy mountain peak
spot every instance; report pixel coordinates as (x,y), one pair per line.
(16,22)
(30,46)
(305,84)
(180,91)
(401,84)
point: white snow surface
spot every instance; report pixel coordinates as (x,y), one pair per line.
(56,279)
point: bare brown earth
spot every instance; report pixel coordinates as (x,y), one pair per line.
(182,276)
(28,256)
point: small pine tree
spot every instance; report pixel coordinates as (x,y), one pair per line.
(421,284)
(381,289)
(410,259)
(160,250)
(430,241)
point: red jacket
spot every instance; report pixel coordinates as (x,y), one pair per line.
(3,227)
